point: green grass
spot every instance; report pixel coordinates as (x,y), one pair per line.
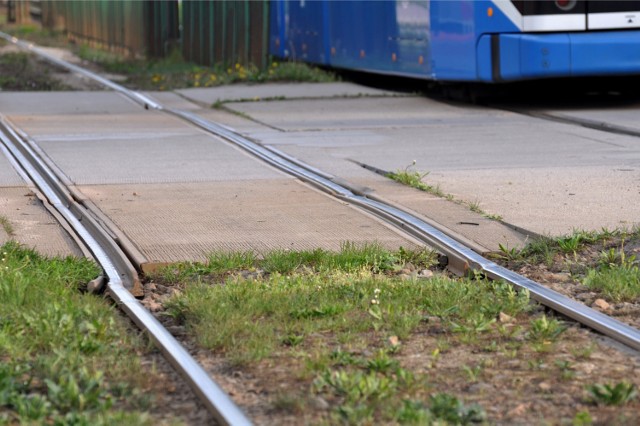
(173,72)
(6,225)
(19,72)
(619,283)
(415,179)
(343,293)
(350,258)
(321,312)
(609,394)
(67,357)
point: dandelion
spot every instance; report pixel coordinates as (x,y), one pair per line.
(237,66)
(376,292)
(375,302)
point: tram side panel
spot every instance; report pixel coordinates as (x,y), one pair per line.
(465,40)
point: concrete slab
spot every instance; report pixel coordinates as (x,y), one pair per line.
(622,116)
(34,103)
(524,169)
(8,176)
(354,113)
(210,95)
(158,149)
(179,193)
(32,225)
(176,222)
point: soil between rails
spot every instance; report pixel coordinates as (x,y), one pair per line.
(480,355)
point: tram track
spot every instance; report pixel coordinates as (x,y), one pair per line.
(461,258)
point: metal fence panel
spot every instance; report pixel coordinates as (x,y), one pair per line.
(227,31)
(134,27)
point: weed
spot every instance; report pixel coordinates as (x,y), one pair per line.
(619,283)
(509,254)
(6,225)
(412,178)
(382,362)
(566,369)
(224,261)
(583,352)
(450,409)
(618,394)
(293,339)
(474,206)
(58,345)
(473,373)
(545,330)
(582,418)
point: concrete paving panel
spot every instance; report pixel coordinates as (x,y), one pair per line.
(463,148)
(32,225)
(147,147)
(359,113)
(210,95)
(177,222)
(627,116)
(552,201)
(8,176)
(140,125)
(43,103)
(195,158)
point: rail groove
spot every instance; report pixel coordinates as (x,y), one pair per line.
(463,257)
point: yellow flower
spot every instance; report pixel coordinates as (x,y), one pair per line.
(213,77)
(196,84)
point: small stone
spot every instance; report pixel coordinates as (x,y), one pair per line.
(502,317)
(425,273)
(96,285)
(586,367)
(319,403)
(585,296)
(409,266)
(394,341)
(561,277)
(152,305)
(601,304)
(480,388)
(544,386)
(176,330)
(404,276)
(150,287)
(162,288)
(518,411)
(405,271)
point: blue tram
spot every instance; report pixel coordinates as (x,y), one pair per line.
(461,40)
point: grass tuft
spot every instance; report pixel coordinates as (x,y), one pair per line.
(67,358)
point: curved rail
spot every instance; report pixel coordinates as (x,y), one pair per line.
(111,259)
(465,257)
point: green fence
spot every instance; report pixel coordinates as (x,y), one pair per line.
(222,31)
(134,27)
(229,32)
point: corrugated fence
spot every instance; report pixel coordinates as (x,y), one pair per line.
(148,27)
(223,31)
(226,32)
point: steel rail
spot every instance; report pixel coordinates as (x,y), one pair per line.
(403,220)
(30,165)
